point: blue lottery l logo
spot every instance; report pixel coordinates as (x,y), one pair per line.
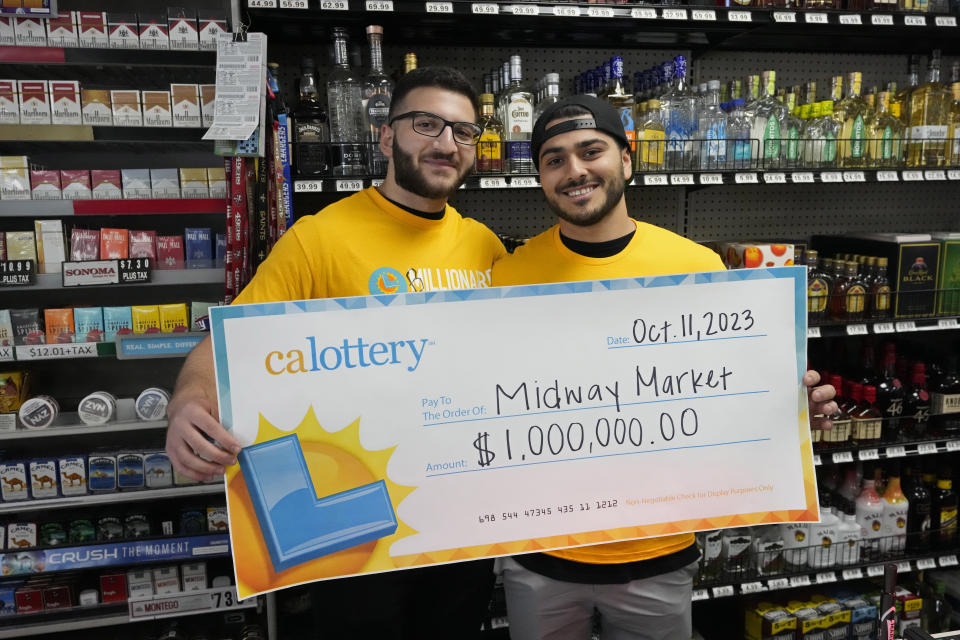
(387,280)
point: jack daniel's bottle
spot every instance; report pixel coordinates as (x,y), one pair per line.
(311,128)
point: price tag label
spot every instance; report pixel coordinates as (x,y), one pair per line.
(953,174)
(853,176)
(711,178)
(784,16)
(644,14)
(379,5)
(926,563)
(739,16)
(881,20)
(700,594)
(804,177)
(349,185)
(907,326)
(857,330)
(915,21)
(926,448)
(948,561)
(17,273)
(745,178)
(566,11)
(485,8)
(868,454)
(655,180)
(134,270)
(525,10)
(293,4)
(896,451)
(887,176)
(600,12)
(875,570)
(912,176)
(953,445)
(674,14)
(904,567)
(775,178)
(439,7)
(883,327)
(308,186)
(946,21)
(831,176)
(524,182)
(493,183)
(800,581)
(853,19)
(335,5)
(815,18)
(681,178)
(843,456)
(378,182)
(947,323)
(934,175)
(813,332)
(816,460)
(777,583)
(751,587)
(723,592)
(826,576)
(707,15)
(852,574)
(262,4)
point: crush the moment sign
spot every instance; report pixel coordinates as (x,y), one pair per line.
(389,432)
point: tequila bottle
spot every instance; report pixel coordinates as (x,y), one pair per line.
(490,145)
(650,139)
(345,101)
(791,127)
(518,120)
(621,100)
(311,129)
(953,127)
(884,135)
(409,62)
(712,122)
(856,114)
(820,135)
(768,114)
(377,91)
(679,111)
(836,97)
(902,97)
(738,136)
(929,117)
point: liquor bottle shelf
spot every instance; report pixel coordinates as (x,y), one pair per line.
(68,424)
(884,327)
(114,554)
(106,57)
(119,497)
(545,24)
(152,206)
(885,450)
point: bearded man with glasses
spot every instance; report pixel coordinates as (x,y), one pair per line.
(399,237)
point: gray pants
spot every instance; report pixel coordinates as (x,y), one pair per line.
(540,608)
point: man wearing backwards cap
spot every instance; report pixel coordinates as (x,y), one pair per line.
(641,588)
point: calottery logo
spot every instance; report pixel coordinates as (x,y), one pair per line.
(387,280)
(314,358)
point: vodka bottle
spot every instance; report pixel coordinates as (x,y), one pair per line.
(377,91)
(345,102)
(738,136)
(712,123)
(679,110)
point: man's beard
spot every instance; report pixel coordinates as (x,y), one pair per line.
(612,189)
(410,178)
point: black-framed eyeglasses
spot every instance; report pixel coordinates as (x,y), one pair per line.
(432,125)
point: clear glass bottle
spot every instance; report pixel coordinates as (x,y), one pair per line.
(712,123)
(551,94)
(768,112)
(902,97)
(820,150)
(953,127)
(711,564)
(621,100)
(884,134)
(679,112)
(650,139)
(345,103)
(377,92)
(739,144)
(929,119)
(856,115)
(490,145)
(311,128)
(791,127)
(518,120)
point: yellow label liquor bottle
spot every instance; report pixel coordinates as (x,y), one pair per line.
(929,116)
(883,135)
(818,290)
(490,145)
(650,139)
(953,128)
(880,291)
(853,136)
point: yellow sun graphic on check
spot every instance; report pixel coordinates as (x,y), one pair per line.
(337,463)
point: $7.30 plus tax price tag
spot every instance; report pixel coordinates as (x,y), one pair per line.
(513,442)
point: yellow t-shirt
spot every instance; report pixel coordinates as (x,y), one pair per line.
(364,245)
(652,251)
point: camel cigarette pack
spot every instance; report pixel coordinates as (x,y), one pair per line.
(9,102)
(34,101)
(216,519)
(157,470)
(62,30)
(130,471)
(102,472)
(43,478)
(65,100)
(73,475)
(21,535)
(13,476)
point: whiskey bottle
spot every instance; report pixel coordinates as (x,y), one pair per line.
(929,118)
(943,514)
(311,129)
(490,146)
(918,514)
(890,396)
(818,290)
(839,435)
(916,404)
(851,295)
(867,421)
(945,402)
(880,292)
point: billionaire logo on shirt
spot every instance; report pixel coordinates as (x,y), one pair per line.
(387,280)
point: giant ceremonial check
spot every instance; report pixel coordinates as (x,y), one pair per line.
(389,432)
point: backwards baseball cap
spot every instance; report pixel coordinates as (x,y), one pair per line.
(603,118)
